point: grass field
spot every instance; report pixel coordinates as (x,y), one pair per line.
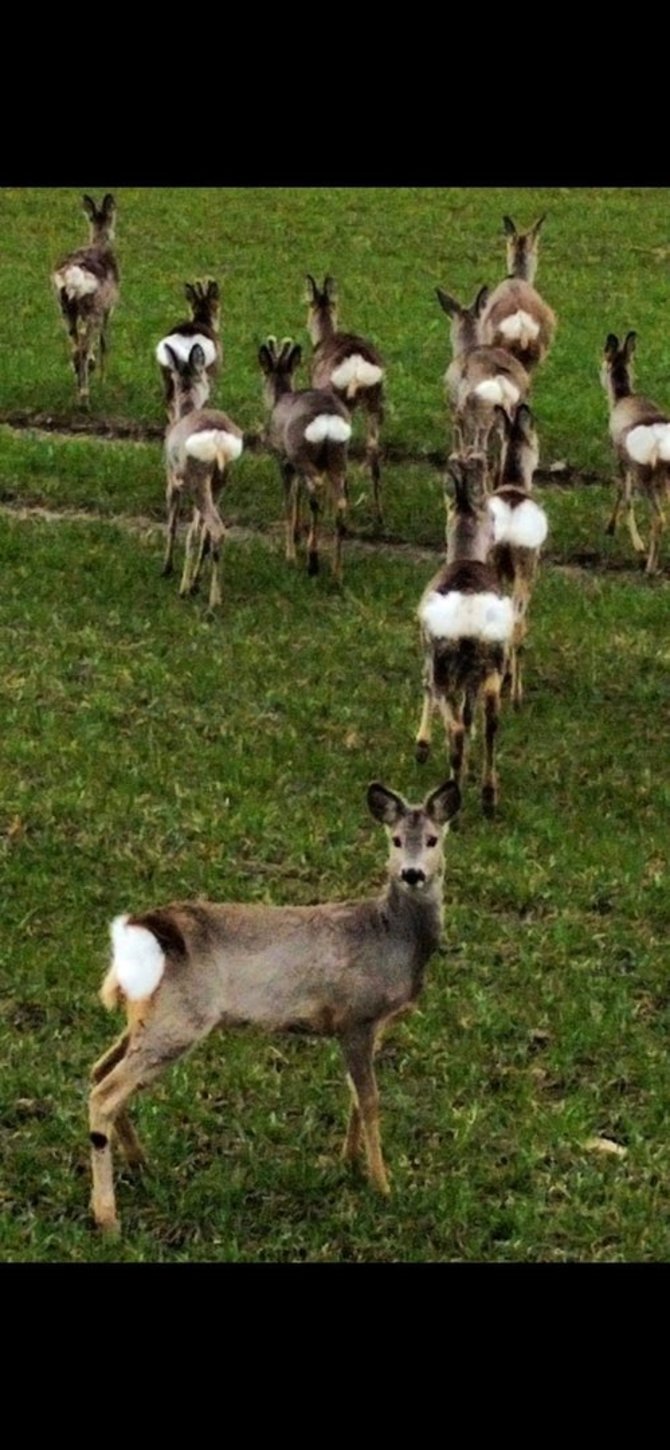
(147,753)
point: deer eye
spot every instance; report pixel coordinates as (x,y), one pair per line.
(431,840)
(397,841)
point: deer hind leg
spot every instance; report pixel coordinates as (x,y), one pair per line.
(104,346)
(629,484)
(358,1049)
(189,559)
(128,1140)
(313,538)
(492,686)
(145,1058)
(658,526)
(291,509)
(353,1136)
(451,708)
(424,733)
(375,417)
(521,600)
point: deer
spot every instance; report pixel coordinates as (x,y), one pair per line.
(342,969)
(199,447)
(350,365)
(516,317)
(520,529)
(640,432)
(466,630)
(480,379)
(203,328)
(87,287)
(308,432)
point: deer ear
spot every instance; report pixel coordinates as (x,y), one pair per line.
(524,417)
(330,288)
(611,344)
(312,289)
(172,356)
(265,358)
(196,358)
(447,303)
(442,804)
(480,301)
(535,231)
(190,292)
(385,805)
(294,358)
(509,227)
(455,470)
(212,290)
(630,344)
(108,206)
(89,207)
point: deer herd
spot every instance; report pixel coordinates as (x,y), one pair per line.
(345,969)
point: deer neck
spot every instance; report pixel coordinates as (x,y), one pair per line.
(523,269)
(465,335)
(186,405)
(514,471)
(619,383)
(321,327)
(420,911)
(468,539)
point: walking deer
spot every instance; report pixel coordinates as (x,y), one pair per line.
(466,630)
(87,287)
(308,431)
(203,328)
(352,367)
(640,432)
(199,447)
(520,529)
(516,317)
(480,379)
(343,969)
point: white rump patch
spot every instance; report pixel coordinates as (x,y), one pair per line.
(76,281)
(137,960)
(354,373)
(520,327)
(525,526)
(182,346)
(214,445)
(498,390)
(649,442)
(455,616)
(328,425)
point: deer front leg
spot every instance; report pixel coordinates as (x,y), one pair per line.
(358,1049)
(492,686)
(291,508)
(173,501)
(610,527)
(629,484)
(104,346)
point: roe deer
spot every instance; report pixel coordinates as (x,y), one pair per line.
(87,286)
(308,431)
(640,432)
(343,969)
(479,379)
(466,629)
(203,328)
(199,446)
(351,366)
(516,317)
(520,529)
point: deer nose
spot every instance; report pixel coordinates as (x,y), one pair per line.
(412,877)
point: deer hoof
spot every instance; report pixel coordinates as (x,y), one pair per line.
(313,564)
(489,801)
(421,751)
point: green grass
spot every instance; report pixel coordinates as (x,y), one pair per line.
(146,753)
